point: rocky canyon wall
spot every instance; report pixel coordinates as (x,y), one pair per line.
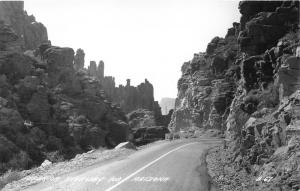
(207,85)
(247,85)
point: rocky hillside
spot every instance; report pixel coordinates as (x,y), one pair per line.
(247,85)
(51,107)
(48,108)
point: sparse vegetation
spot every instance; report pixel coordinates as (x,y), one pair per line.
(258,99)
(10,176)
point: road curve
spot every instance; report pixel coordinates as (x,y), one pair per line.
(166,166)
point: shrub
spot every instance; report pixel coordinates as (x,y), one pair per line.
(9,177)
(255,100)
(54,156)
(20,161)
(269,97)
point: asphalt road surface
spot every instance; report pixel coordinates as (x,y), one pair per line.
(165,166)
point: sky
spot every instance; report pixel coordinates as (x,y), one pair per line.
(137,39)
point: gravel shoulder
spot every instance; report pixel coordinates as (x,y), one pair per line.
(224,174)
(81,161)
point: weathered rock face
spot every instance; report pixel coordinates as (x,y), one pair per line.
(59,62)
(263,23)
(128,97)
(131,98)
(46,105)
(79,59)
(31,33)
(289,76)
(207,85)
(98,72)
(248,85)
(145,127)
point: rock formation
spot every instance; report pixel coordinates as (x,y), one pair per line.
(247,85)
(31,33)
(146,122)
(145,127)
(128,97)
(79,59)
(207,86)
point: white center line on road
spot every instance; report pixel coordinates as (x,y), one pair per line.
(146,166)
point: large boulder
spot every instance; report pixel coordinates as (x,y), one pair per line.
(60,65)
(126,145)
(144,127)
(118,132)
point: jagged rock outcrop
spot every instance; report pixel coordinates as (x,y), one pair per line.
(145,127)
(207,86)
(98,72)
(31,33)
(131,98)
(47,106)
(128,97)
(263,23)
(79,59)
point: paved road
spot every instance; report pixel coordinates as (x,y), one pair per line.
(166,166)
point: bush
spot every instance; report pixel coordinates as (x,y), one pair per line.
(20,161)
(256,100)
(9,177)
(54,156)
(269,98)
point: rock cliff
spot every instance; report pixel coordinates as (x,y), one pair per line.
(207,85)
(247,85)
